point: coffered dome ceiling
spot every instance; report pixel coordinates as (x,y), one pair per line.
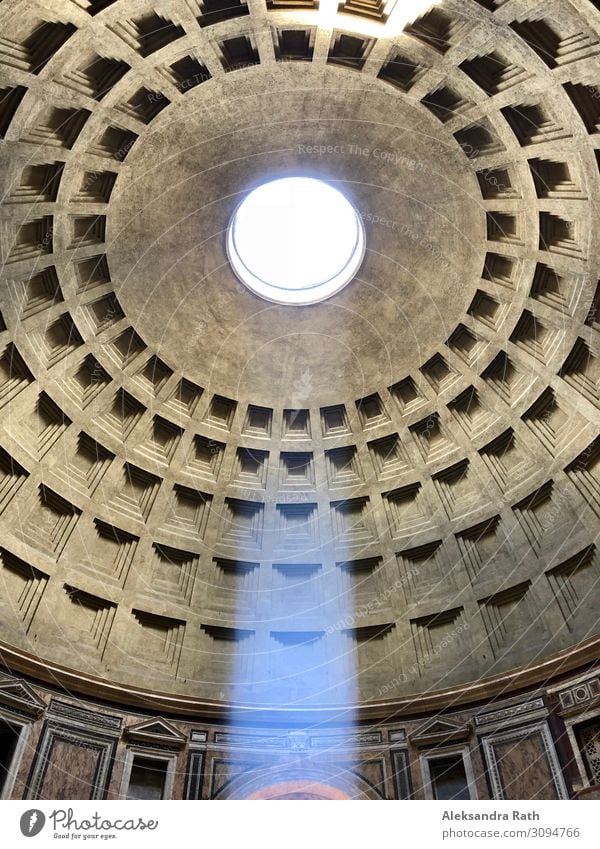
(405,476)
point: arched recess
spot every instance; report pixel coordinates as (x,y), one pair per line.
(284,783)
(300,789)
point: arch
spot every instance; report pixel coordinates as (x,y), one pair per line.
(337,783)
(300,789)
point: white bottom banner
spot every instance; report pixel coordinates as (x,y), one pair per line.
(356,825)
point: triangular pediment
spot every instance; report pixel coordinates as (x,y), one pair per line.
(156,730)
(439,730)
(19,695)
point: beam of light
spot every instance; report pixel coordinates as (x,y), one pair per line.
(298,672)
(399,12)
(405,12)
(292,650)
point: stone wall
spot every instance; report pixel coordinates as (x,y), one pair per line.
(542,744)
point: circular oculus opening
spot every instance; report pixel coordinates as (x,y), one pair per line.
(296,240)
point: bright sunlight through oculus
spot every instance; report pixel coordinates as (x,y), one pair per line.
(295,241)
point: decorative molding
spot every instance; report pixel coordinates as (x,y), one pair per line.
(398,736)
(580,695)
(168,757)
(19,695)
(401,773)
(440,732)
(104,746)
(571,659)
(194,775)
(250,741)
(155,731)
(73,714)
(514,736)
(509,713)
(337,741)
(198,737)
(298,740)
(462,751)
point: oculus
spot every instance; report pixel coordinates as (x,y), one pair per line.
(296,240)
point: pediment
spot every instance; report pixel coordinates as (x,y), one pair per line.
(18,694)
(440,730)
(157,731)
